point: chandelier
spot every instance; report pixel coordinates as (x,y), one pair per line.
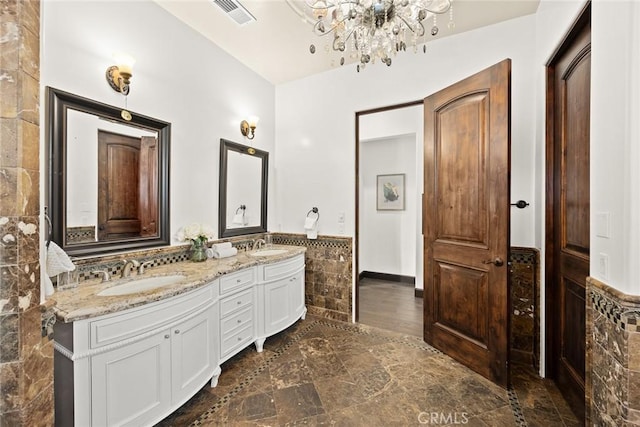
(370,30)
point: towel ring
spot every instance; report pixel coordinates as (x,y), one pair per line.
(243,207)
(315,211)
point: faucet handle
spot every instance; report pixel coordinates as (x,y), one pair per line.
(105,274)
(143,265)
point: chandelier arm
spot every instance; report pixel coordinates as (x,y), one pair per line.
(409,25)
(346,39)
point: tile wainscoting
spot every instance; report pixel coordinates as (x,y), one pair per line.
(613,356)
(329,273)
(525,314)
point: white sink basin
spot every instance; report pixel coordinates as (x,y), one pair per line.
(268,252)
(140,285)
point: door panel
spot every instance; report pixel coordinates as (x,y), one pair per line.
(118,186)
(568,126)
(466,226)
(148,184)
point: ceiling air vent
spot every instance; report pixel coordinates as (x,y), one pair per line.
(235,11)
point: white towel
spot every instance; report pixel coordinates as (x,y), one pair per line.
(57,261)
(312,234)
(310,223)
(238,219)
(218,246)
(48,286)
(225,252)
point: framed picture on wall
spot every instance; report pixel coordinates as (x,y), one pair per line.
(390,192)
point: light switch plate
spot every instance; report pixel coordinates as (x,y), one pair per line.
(602,224)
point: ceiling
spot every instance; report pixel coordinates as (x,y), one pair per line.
(276,45)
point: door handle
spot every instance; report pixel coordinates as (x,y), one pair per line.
(498,262)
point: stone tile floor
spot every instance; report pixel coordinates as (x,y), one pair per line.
(323,372)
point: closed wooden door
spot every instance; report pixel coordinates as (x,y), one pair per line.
(568,122)
(466,221)
(118,186)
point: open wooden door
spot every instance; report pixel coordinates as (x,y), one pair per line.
(466,221)
(148,187)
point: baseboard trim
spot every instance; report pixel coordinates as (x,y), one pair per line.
(419,293)
(410,280)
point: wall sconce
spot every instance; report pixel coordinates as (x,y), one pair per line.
(248,127)
(119,76)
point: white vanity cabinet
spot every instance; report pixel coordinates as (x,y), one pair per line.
(134,367)
(281,295)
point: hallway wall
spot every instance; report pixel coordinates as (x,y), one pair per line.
(387,237)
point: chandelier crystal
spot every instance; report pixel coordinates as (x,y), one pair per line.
(370,30)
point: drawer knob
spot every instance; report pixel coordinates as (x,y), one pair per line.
(167,336)
(177,331)
(239,280)
(239,302)
(239,338)
(239,321)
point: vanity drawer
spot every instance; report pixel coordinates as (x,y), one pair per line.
(237,280)
(238,339)
(281,269)
(238,320)
(130,323)
(236,302)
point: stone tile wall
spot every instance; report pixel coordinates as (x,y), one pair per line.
(525,316)
(613,356)
(26,359)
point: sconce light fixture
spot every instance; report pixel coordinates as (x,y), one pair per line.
(119,76)
(248,127)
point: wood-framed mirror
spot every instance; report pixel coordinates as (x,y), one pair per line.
(244,173)
(107,177)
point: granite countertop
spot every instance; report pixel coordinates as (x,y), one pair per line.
(82,302)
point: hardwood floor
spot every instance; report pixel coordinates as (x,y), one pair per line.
(391,306)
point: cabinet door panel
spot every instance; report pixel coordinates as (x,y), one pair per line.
(296,286)
(130,385)
(192,352)
(277,306)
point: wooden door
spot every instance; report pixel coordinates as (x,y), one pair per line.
(148,197)
(466,221)
(118,186)
(568,123)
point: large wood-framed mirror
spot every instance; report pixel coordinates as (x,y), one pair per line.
(244,173)
(108,177)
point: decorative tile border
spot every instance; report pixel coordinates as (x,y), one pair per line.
(81,234)
(320,242)
(627,318)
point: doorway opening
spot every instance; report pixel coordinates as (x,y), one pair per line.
(389,169)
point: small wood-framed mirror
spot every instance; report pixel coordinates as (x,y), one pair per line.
(244,173)
(108,176)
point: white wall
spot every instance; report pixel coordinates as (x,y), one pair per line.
(179,77)
(315,165)
(387,237)
(615,135)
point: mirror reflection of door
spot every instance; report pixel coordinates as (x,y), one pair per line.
(244,174)
(127,186)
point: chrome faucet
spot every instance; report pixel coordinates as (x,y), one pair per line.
(128,266)
(258,244)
